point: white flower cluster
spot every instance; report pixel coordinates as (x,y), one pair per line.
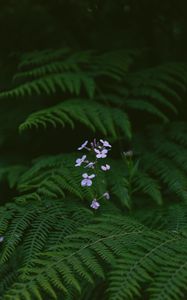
(100,151)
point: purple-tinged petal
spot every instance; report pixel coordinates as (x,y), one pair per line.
(83,145)
(89,182)
(91,176)
(84,182)
(105,143)
(79,161)
(85,175)
(95,204)
(96,150)
(105,168)
(102,153)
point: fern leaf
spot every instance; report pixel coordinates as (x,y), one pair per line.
(93,115)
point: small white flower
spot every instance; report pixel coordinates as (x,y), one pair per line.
(79,161)
(105,168)
(87,179)
(102,153)
(105,144)
(1,239)
(95,204)
(83,145)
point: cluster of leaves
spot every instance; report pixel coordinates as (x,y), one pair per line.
(56,247)
(53,244)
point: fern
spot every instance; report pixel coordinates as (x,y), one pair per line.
(67,75)
(50,177)
(14,235)
(52,244)
(164,159)
(139,252)
(49,66)
(147,185)
(98,243)
(171,281)
(50,84)
(152,90)
(95,116)
(12,174)
(135,268)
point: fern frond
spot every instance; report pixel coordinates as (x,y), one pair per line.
(147,107)
(170,282)
(84,247)
(65,82)
(163,158)
(91,114)
(53,177)
(153,90)
(51,65)
(135,268)
(37,235)
(147,185)
(169,174)
(15,232)
(12,174)
(5,217)
(114,64)
(134,104)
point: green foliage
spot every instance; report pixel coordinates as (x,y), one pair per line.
(95,116)
(152,255)
(164,158)
(54,246)
(56,71)
(67,246)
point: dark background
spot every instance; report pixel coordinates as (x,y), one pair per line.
(27,25)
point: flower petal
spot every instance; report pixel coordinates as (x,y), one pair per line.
(85,175)
(83,145)
(95,204)
(105,143)
(84,182)
(91,176)
(89,182)
(96,150)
